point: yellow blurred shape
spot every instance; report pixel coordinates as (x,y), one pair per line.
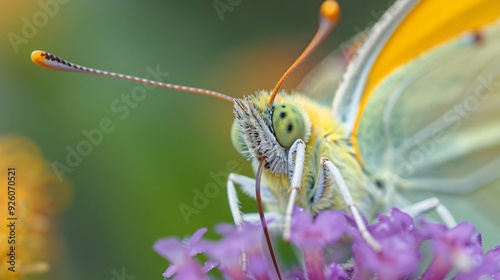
(39,197)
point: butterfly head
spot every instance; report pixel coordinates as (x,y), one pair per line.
(268,130)
(268,124)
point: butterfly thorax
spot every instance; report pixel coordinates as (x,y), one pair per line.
(261,130)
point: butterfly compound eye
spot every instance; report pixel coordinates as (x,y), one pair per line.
(288,124)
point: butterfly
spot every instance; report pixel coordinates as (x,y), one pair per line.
(414,111)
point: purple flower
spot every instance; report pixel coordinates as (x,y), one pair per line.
(336,272)
(241,253)
(493,259)
(181,254)
(238,243)
(459,248)
(313,236)
(399,239)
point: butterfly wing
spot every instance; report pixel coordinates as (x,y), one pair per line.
(420,125)
(409,28)
(433,124)
(414,104)
(431,112)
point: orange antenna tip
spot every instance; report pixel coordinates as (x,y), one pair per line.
(330,10)
(329,13)
(38,58)
(53,62)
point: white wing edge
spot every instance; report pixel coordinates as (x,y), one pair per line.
(349,93)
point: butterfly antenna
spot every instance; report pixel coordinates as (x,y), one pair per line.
(263,218)
(50,61)
(329,15)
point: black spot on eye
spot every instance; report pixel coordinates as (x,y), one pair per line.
(379,184)
(283,106)
(289,128)
(282,115)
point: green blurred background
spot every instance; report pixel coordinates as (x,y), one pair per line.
(127,191)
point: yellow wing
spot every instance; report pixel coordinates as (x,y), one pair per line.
(433,125)
(427,114)
(435,109)
(409,28)
(430,23)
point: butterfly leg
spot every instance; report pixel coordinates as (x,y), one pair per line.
(247,185)
(431,204)
(347,197)
(296,166)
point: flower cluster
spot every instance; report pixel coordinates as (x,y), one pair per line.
(331,247)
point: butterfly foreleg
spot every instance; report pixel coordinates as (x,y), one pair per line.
(247,185)
(431,204)
(348,200)
(296,167)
